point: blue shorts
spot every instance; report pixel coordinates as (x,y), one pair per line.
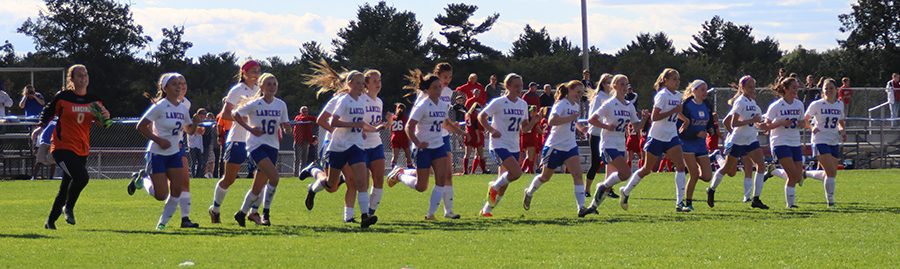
(424,157)
(161,163)
(264,152)
(351,156)
(658,148)
(611,154)
(552,158)
(446,146)
(792,152)
(182,148)
(235,152)
(374,154)
(503,154)
(696,147)
(738,151)
(834,150)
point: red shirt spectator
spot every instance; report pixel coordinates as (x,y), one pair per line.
(531,97)
(479,97)
(303,128)
(469,88)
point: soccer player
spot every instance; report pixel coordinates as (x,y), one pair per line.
(696,123)
(399,140)
(163,123)
(827,115)
(508,114)
(560,147)
(75,110)
(474,139)
(663,137)
(742,144)
(598,96)
(236,143)
(372,144)
(262,116)
(612,118)
(784,119)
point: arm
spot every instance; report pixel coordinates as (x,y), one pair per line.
(226,111)
(39,99)
(144,128)
(192,128)
(22,102)
(411,131)
(483,120)
(560,120)
(240,120)
(452,126)
(322,121)
(49,112)
(658,115)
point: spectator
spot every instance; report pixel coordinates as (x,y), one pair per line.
(493,89)
(209,146)
(547,96)
(32,102)
(195,148)
(459,109)
(845,94)
(303,138)
(5,101)
(477,98)
(471,85)
(586,79)
(531,97)
(893,92)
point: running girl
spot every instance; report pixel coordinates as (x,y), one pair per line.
(508,114)
(827,115)
(784,119)
(696,125)
(598,96)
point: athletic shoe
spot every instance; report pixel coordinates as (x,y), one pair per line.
(689,205)
(255,218)
(214,216)
(746,200)
(681,207)
(793,207)
(350,220)
(50,226)
(70,216)
(240,217)
(430,218)
(265,218)
(485,214)
(368,221)
(133,184)
(831,205)
(394,176)
(585,211)
(624,201)
(710,197)
(587,194)
(310,198)
(160,227)
(599,194)
(452,216)
(768,174)
(186,223)
(612,194)
(306,171)
(526,202)
(492,196)
(757,203)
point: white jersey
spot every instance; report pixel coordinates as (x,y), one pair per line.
(619,114)
(168,121)
(562,137)
(430,117)
(268,117)
(743,109)
(374,116)
(348,109)
(329,108)
(446,98)
(507,117)
(237,94)
(598,100)
(825,118)
(665,129)
(786,135)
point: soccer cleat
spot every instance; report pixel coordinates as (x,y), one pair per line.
(831,205)
(70,216)
(485,214)
(793,207)
(310,198)
(394,176)
(265,218)
(585,211)
(689,205)
(350,220)
(368,221)
(492,196)
(746,200)
(132,185)
(526,202)
(160,227)
(50,226)
(599,194)
(255,218)
(213,216)
(612,194)
(187,223)
(306,171)
(624,201)
(757,203)
(430,218)
(452,216)
(680,207)
(768,174)
(240,217)
(711,197)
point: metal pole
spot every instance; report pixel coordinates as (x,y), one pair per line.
(584,36)
(32,78)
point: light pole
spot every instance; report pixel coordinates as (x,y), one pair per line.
(584,36)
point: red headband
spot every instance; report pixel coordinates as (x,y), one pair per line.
(248,65)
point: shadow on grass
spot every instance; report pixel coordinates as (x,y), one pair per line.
(26,236)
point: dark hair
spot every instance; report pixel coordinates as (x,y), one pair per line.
(442,67)
(563,89)
(781,86)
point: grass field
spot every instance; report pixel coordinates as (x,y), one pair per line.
(116,230)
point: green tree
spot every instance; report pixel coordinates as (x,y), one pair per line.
(643,59)
(873,29)
(460,33)
(532,43)
(172,49)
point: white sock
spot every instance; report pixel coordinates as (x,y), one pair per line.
(315,172)
(168,210)
(632,182)
(486,208)
(409,180)
(409,172)
(789,195)
(448,199)
(579,196)
(612,180)
(268,195)
(148,186)
(435,201)
(348,213)
(748,188)
(318,186)
(680,186)
(717,179)
(185,202)
(218,197)
(758,184)
(818,174)
(829,189)
(249,199)
(375,200)
(501,181)
(720,160)
(362,198)
(780,173)
(535,184)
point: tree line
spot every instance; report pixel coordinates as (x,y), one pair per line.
(104,36)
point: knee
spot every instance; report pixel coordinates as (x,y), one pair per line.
(160,196)
(421,188)
(513,175)
(705,178)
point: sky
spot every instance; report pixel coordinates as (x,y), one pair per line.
(277,28)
